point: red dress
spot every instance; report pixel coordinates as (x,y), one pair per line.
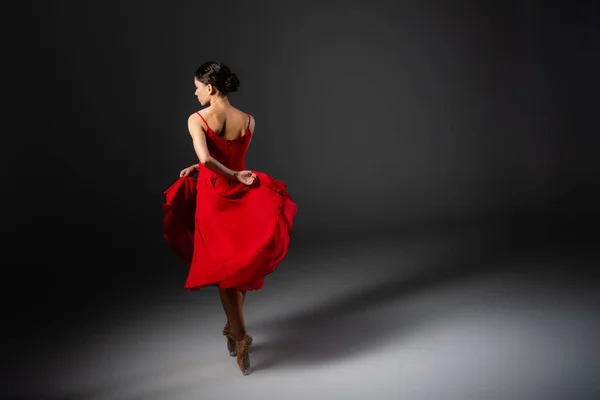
(230,234)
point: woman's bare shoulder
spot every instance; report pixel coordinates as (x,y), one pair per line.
(244,115)
(251,122)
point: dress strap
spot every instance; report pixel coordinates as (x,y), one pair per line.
(208,127)
(249,120)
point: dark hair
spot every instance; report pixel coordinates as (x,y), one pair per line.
(218,75)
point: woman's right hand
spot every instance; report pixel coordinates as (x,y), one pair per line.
(247,177)
(188,171)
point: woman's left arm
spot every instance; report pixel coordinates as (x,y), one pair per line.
(199,139)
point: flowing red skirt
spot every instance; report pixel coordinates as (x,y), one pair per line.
(231,235)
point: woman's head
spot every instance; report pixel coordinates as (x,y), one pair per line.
(214,79)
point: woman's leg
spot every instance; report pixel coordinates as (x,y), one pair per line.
(242,297)
(232,301)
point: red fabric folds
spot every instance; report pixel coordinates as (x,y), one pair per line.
(231,235)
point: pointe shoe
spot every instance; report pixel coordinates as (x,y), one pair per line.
(230,339)
(242,348)
(228,333)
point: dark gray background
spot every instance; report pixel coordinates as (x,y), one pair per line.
(381,116)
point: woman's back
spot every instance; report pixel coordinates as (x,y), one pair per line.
(228,134)
(228,123)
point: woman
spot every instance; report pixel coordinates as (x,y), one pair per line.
(231,225)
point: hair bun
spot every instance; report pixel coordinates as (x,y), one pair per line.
(232,83)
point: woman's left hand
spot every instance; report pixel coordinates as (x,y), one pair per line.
(188,171)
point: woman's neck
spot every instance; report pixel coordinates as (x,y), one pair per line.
(220,102)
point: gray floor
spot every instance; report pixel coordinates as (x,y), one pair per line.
(453,315)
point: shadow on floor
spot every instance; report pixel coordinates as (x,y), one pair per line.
(353,324)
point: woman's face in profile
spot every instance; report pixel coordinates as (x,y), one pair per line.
(201,92)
